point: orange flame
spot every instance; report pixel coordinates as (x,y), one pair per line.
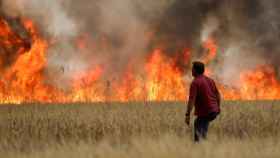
(160,80)
(164,81)
(212,48)
(260,83)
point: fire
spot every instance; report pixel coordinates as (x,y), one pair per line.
(260,83)
(23,76)
(165,81)
(160,75)
(212,48)
(161,79)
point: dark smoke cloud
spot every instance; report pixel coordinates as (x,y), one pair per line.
(182,23)
(250,27)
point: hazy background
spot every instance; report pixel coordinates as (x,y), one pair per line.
(126,31)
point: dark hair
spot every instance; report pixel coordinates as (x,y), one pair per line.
(198,67)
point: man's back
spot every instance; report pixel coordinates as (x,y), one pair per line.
(205,96)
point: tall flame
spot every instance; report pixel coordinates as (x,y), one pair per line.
(161,79)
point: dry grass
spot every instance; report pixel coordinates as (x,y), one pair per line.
(245,129)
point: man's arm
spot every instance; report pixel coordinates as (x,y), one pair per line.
(219,98)
(188,113)
(191,102)
(218,95)
(190,107)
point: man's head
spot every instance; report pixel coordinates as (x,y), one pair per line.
(198,68)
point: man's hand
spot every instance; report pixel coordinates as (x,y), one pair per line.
(189,111)
(187,119)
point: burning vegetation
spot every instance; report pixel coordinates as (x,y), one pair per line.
(101,68)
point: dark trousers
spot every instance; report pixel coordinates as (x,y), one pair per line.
(201,125)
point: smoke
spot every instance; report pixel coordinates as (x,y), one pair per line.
(123,32)
(124,25)
(51,15)
(55,24)
(247,33)
(118,30)
(248,37)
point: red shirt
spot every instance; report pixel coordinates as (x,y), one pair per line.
(205,95)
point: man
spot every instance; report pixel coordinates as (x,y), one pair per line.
(205,97)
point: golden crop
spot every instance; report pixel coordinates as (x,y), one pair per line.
(136,130)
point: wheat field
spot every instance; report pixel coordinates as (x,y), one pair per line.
(137,130)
